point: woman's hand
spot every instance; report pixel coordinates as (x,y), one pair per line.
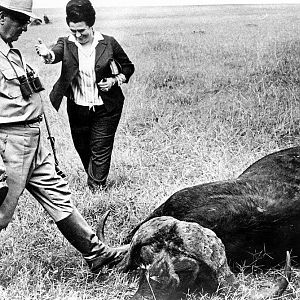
(106,84)
(42,50)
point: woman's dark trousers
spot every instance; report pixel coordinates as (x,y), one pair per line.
(93,132)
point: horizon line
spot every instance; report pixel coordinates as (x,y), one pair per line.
(178,5)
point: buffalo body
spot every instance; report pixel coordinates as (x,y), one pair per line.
(257,215)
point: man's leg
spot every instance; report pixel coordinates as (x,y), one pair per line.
(53,193)
(13,143)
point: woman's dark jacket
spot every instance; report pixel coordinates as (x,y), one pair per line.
(106,50)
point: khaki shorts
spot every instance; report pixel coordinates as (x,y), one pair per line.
(29,165)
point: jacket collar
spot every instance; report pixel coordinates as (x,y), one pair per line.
(100,47)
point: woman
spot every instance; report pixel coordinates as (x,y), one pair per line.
(93,68)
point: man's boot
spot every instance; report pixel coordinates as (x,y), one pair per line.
(84,239)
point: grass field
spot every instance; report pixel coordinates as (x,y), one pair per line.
(215,89)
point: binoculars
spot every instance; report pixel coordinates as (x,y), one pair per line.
(30,84)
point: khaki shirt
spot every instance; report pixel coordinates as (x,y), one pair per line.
(13,107)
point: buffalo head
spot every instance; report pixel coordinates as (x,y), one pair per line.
(176,257)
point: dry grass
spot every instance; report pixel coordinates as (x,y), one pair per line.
(215,89)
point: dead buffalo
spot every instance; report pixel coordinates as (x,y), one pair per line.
(257,213)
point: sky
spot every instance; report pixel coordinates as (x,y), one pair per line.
(118,3)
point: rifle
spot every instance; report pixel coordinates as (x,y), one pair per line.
(52,143)
(37,86)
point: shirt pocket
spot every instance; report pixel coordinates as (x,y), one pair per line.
(10,86)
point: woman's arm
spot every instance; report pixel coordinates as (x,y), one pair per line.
(53,55)
(121,57)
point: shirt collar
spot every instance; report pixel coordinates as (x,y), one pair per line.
(97,37)
(4,47)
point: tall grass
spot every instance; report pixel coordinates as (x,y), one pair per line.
(215,89)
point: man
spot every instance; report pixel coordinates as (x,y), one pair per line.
(28,164)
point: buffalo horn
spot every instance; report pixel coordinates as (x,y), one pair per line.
(284,281)
(100,227)
(277,289)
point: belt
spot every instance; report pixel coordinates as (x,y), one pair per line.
(26,122)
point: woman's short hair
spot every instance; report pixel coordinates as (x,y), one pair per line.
(80,11)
